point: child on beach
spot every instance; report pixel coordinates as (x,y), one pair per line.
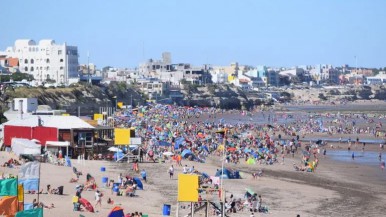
(143,174)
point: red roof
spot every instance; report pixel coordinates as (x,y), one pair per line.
(13,62)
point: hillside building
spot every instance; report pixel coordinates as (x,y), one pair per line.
(47,61)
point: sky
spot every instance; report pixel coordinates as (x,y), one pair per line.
(124,33)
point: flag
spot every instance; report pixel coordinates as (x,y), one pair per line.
(30,184)
(30,213)
(29,170)
(8,206)
(8,187)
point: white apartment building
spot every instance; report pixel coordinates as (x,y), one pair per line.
(46,61)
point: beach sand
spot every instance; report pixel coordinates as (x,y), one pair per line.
(334,189)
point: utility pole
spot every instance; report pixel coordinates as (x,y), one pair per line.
(88,66)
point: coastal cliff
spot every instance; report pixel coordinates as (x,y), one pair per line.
(89,98)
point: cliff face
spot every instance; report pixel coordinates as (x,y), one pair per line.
(87,97)
(90,98)
(220,96)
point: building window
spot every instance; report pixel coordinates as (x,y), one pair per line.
(25,61)
(61,60)
(26,69)
(59,52)
(32,69)
(47,60)
(32,61)
(61,68)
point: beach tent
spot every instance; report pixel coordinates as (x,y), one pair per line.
(205,175)
(164,143)
(118,155)
(251,161)
(178,142)
(185,153)
(228,174)
(117,212)
(25,146)
(225,175)
(139,183)
(58,144)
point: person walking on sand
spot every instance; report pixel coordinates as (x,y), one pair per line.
(98,198)
(179,160)
(171,171)
(353,155)
(383,165)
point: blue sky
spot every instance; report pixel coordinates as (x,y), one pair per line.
(124,33)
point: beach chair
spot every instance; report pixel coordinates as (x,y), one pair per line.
(60,190)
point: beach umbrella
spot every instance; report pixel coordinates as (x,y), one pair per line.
(114,149)
(86,204)
(139,183)
(231,149)
(168,153)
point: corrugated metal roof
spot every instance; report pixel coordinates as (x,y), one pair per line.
(60,122)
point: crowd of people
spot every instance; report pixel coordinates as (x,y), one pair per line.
(182,134)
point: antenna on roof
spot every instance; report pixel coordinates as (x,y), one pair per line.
(40,122)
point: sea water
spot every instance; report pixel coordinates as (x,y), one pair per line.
(366,157)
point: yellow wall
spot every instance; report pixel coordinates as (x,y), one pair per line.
(121,136)
(187,188)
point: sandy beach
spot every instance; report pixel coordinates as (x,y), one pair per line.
(336,188)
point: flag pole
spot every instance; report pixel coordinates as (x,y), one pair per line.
(40,165)
(17,193)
